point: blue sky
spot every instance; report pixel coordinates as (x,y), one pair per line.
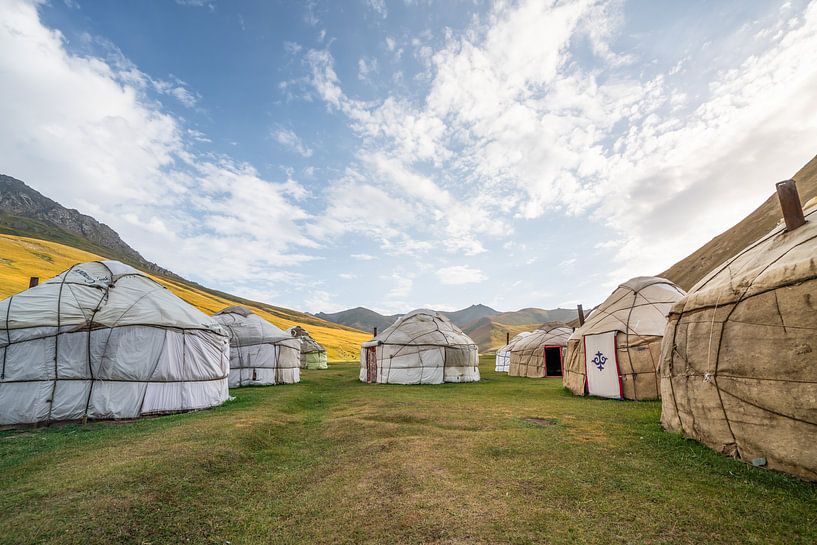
(407,153)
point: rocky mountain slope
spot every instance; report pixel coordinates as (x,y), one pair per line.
(26,212)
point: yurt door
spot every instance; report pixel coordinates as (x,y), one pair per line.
(553,361)
(371,364)
(601,363)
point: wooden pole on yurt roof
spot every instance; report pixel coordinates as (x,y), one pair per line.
(790,204)
(507,337)
(581,315)
(375,332)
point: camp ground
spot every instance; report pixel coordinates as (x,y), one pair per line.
(408,272)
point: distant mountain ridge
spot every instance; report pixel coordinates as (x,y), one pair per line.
(360,318)
(486,326)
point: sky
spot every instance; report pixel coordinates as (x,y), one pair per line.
(323,155)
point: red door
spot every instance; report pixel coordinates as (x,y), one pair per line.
(371,364)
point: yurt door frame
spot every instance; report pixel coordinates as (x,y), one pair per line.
(371,364)
(561,360)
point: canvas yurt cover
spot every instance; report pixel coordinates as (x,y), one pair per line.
(503,355)
(313,354)
(616,352)
(421,347)
(260,353)
(102,341)
(739,362)
(541,353)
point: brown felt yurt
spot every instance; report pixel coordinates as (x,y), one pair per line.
(541,353)
(739,364)
(616,352)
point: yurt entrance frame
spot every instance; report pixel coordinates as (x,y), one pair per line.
(371,364)
(549,348)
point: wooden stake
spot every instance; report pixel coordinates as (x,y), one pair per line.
(507,337)
(375,331)
(790,204)
(581,315)
(33,281)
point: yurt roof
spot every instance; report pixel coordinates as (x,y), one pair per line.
(513,341)
(555,334)
(422,327)
(780,258)
(247,328)
(308,344)
(637,307)
(109,293)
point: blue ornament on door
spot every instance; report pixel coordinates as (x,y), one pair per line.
(599,360)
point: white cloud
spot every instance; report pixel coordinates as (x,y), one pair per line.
(460,274)
(363,257)
(84,131)
(291,141)
(379,7)
(211,5)
(520,125)
(365,68)
(321,301)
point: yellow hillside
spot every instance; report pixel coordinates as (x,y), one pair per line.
(21,258)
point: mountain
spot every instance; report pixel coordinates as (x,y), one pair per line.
(468,315)
(486,326)
(40,237)
(687,272)
(26,212)
(535,316)
(359,318)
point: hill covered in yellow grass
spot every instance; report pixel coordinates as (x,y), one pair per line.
(22,257)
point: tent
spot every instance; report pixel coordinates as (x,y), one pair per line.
(421,347)
(260,353)
(739,365)
(616,352)
(540,354)
(104,341)
(503,355)
(313,355)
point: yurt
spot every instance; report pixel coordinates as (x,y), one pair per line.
(313,354)
(260,353)
(421,347)
(616,352)
(503,355)
(104,341)
(541,353)
(739,363)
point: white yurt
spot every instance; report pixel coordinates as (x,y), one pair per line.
(503,355)
(104,341)
(260,353)
(421,347)
(313,354)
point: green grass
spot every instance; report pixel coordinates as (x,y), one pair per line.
(332,460)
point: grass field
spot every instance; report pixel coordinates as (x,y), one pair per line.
(332,460)
(21,258)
